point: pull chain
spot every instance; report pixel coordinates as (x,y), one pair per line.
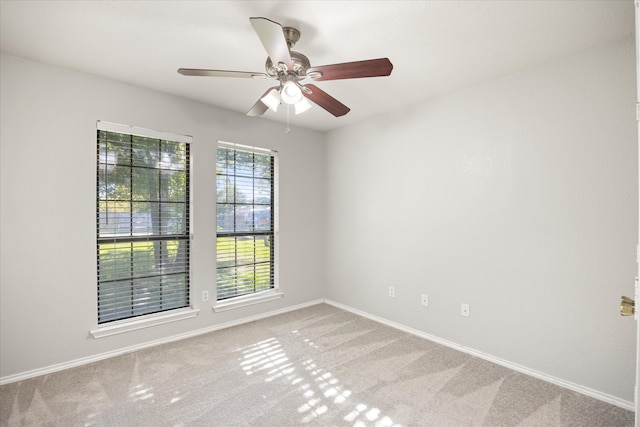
(288,129)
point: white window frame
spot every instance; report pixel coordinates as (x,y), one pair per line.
(153,319)
(270,294)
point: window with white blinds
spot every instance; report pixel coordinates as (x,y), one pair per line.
(245,220)
(142,215)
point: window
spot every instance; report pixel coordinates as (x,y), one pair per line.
(142,214)
(246,220)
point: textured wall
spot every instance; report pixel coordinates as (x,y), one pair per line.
(518,197)
(48,152)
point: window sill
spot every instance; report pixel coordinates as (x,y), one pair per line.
(243,301)
(143,322)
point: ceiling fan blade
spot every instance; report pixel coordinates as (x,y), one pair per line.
(221,73)
(352,70)
(259,108)
(272,38)
(325,100)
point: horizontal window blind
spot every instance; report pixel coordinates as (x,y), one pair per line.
(245,195)
(142,222)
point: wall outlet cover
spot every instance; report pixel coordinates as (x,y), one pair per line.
(464,310)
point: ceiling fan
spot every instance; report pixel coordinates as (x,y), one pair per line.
(289,68)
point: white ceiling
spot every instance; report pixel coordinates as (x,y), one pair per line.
(435,46)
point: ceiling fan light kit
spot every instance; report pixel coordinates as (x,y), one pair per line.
(302,106)
(272,99)
(290,93)
(290,67)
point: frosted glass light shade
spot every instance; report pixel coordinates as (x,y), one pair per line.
(302,106)
(271,100)
(291,93)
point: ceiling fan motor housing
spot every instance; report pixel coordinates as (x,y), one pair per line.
(300,65)
(299,61)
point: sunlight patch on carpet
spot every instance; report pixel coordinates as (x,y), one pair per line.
(320,390)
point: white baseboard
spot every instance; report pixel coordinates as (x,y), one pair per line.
(523,369)
(102,356)
(519,368)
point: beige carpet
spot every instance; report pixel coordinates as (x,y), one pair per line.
(318,366)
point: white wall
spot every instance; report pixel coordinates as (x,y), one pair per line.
(47,202)
(518,197)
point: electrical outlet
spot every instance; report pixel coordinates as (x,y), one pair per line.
(424,299)
(464,310)
(392,292)
(205,296)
